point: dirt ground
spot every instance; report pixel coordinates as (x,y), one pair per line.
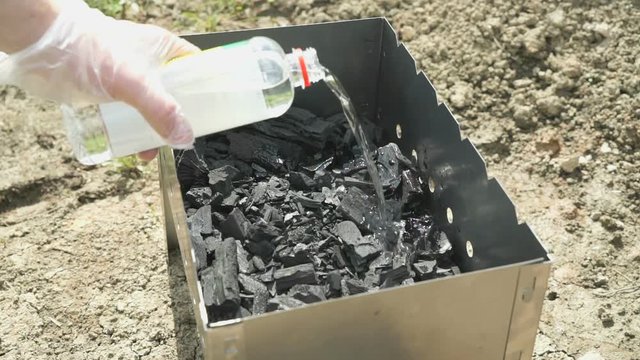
(548,91)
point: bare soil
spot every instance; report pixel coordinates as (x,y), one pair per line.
(548,91)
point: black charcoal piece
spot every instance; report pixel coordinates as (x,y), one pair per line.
(245,169)
(200,222)
(323,178)
(319,166)
(236,225)
(264,249)
(424,269)
(354,286)
(245,265)
(243,313)
(273,215)
(277,188)
(283,302)
(250,285)
(270,153)
(258,263)
(260,299)
(411,189)
(357,206)
(418,231)
(441,243)
(293,255)
(258,194)
(299,274)
(298,126)
(385,260)
(307,293)
(217,218)
(338,257)
(408,281)
(267,277)
(353,166)
(199,196)
(301,181)
(362,184)
(332,196)
(220,281)
(200,251)
(359,249)
(262,231)
(394,277)
(307,202)
(221,179)
(333,279)
(231,200)
(212,242)
(441,272)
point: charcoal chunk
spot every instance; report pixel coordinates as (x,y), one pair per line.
(198,196)
(277,188)
(307,202)
(418,231)
(411,189)
(263,249)
(388,160)
(353,166)
(259,194)
(354,286)
(200,250)
(258,263)
(333,279)
(319,166)
(357,207)
(231,200)
(262,231)
(243,313)
(267,277)
(442,245)
(273,215)
(250,285)
(293,255)
(260,299)
(394,277)
(220,281)
(299,274)
(200,222)
(213,242)
(221,179)
(236,225)
(307,293)
(245,265)
(301,181)
(359,249)
(283,302)
(338,257)
(424,269)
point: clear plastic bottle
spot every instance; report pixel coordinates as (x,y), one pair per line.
(218,89)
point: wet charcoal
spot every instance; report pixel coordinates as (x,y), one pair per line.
(201,221)
(283,302)
(307,293)
(258,263)
(267,276)
(300,274)
(243,167)
(359,249)
(220,281)
(277,188)
(293,255)
(272,154)
(334,280)
(332,196)
(221,179)
(313,202)
(231,200)
(263,249)
(235,225)
(442,245)
(250,285)
(424,269)
(198,196)
(319,166)
(355,182)
(298,126)
(273,215)
(200,251)
(353,286)
(323,179)
(301,181)
(260,299)
(262,231)
(356,206)
(353,166)
(411,188)
(258,194)
(338,257)
(245,265)
(394,277)
(259,171)
(408,281)
(385,260)
(418,231)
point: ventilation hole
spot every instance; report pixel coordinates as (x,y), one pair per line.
(469,249)
(450,215)
(414,155)
(432,185)
(398,131)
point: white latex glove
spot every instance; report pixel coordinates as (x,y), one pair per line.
(86,58)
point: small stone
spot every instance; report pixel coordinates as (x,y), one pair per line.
(556,18)
(592,355)
(611,168)
(461,94)
(407,33)
(549,105)
(534,42)
(570,165)
(605,148)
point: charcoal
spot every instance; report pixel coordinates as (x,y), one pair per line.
(277,188)
(236,225)
(213,242)
(443,272)
(353,166)
(250,285)
(245,265)
(217,218)
(267,277)
(356,206)
(260,299)
(300,274)
(244,168)
(333,279)
(200,251)
(394,277)
(385,260)
(231,200)
(442,245)
(258,264)
(259,171)
(301,181)
(408,281)
(354,286)
(355,182)
(271,154)
(220,179)
(220,281)
(259,194)
(418,231)
(307,293)
(262,231)
(243,313)
(338,257)
(198,196)
(273,215)
(319,166)
(283,302)
(201,222)
(411,189)
(359,249)
(307,202)
(424,269)
(293,255)
(263,249)
(332,196)
(323,178)
(298,126)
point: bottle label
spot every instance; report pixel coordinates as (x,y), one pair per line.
(210,50)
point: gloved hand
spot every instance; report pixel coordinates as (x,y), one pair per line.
(86,58)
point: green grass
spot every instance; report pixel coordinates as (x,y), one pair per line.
(109,7)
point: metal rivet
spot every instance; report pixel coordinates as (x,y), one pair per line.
(432,185)
(414,155)
(469,249)
(398,131)
(450,215)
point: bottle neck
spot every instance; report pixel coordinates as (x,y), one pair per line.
(305,67)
